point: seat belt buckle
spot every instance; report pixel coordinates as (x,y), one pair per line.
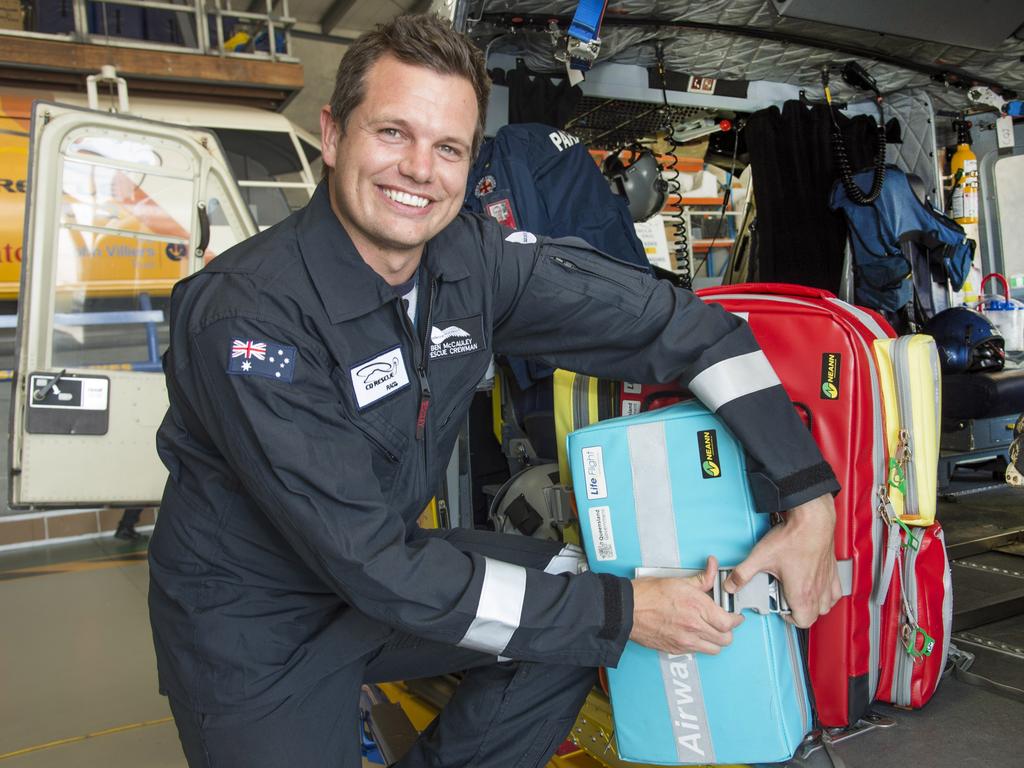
(581,54)
(762,594)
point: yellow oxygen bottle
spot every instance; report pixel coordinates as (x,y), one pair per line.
(964,167)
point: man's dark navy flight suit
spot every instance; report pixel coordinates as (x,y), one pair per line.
(309,423)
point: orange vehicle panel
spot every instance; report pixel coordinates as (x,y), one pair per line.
(106,264)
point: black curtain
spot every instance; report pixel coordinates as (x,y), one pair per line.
(538,98)
(798,239)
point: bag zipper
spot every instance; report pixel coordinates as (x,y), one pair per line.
(905,448)
(909,610)
(799,675)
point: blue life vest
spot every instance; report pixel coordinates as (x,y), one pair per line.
(881,232)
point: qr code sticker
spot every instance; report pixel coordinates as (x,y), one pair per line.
(601,533)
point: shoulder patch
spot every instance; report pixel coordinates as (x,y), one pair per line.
(485,186)
(526,238)
(262,357)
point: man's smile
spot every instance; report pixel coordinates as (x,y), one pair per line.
(405,198)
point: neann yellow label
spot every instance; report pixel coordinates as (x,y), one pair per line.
(707,445)
(830,366)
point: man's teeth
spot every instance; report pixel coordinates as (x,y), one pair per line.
(406,199)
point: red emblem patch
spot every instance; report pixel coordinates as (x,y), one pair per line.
(502,211)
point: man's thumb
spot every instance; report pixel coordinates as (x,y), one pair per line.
(740,575)
(705,581)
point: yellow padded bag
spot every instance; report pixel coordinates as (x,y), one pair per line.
(579,400)
(911,386)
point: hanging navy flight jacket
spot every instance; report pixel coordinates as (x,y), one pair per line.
(535,177)
(880,230)
(309,423)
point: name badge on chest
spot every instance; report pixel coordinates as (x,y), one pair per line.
(379,377)
(456,337)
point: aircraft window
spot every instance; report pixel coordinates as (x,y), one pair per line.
(225,229)
(125,152)
(313,157)
(122,243)
(109,197)
(1009,175)
(269,172)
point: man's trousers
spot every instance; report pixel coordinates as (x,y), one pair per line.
(503,714)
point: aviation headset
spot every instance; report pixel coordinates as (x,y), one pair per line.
(640,182)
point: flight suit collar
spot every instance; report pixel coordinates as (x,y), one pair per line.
(347,286)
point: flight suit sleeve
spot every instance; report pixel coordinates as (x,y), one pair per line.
(575,308)
(271,403)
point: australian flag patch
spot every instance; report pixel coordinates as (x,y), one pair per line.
(262,357)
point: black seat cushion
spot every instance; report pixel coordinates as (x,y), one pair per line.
(982,395)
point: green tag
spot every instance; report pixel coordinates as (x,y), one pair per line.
(909,540)
(927,643)
(897,477)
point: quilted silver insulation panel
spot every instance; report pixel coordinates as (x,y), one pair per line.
(731,56)
(917,153)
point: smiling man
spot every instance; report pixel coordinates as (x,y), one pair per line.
(318,374)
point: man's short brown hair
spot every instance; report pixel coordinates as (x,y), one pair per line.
(424,40)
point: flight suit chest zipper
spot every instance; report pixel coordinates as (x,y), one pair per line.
(421,350)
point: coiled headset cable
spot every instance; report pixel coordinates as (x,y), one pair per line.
(677,218)
(855,75)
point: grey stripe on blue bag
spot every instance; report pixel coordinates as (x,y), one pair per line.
(659,547)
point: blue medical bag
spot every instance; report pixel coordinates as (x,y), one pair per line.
(658,493)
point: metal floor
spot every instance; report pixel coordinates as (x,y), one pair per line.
(78,679)
(965,726)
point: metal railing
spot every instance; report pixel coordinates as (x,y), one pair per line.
(209,27)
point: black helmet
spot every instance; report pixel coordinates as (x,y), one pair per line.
(640,182)
(967,341)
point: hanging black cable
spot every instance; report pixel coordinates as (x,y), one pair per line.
(680,238)
(855,74)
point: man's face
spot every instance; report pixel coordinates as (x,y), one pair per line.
(401,164)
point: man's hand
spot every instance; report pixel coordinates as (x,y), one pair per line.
(678,616)
(801,554)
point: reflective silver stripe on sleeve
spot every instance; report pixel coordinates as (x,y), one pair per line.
(566,561)
(500,608)
(738,376)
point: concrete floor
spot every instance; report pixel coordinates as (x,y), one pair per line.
(76,661)
(78,680)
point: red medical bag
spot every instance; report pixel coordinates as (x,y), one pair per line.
(821,349)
